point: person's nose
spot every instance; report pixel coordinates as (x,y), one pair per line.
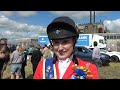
(60,47)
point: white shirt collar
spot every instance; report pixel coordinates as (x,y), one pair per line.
(67,60)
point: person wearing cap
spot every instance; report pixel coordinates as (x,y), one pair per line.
(63,35)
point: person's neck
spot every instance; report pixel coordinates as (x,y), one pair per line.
(69,58)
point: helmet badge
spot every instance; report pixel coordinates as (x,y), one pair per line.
(57,31)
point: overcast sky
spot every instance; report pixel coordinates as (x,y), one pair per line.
(31,24)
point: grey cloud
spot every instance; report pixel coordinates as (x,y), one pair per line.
(22,30)
(77,14)
(113,26)
(19,13)
(12,29)
(35,35)
(17,26)
(27,13)
(8,13)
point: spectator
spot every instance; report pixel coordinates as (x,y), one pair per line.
(36,57)
(4,56)
(16,60)
(44,49)
(24,63)
(96,52)
(48,53)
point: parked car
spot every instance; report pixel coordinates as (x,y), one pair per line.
(86,54)
(115,56)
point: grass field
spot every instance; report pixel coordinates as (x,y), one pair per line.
(110,72)
(28,70)
(105,72)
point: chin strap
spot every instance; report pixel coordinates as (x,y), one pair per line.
(75,59)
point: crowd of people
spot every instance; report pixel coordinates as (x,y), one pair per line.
(56,61)
(17,58)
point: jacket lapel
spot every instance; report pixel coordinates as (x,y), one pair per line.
(68,72)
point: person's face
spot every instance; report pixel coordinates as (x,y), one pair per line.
(2,54)
(2,42)
(63,47)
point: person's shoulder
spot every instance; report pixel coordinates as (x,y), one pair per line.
(41,62)
(14,51)
(82,62)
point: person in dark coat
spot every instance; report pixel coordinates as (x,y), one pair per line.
(36,57)
(24,63)
(4,56)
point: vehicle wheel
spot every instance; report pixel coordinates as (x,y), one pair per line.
(98,62)
(114,58)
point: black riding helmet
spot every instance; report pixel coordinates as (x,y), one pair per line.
(62,27)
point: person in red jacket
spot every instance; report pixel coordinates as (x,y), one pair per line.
(62,33)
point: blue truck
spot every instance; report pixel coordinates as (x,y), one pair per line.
(42,40)
(88,39)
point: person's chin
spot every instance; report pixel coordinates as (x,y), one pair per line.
(63,57)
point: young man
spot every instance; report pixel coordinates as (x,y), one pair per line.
(63,35)
(96,54)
